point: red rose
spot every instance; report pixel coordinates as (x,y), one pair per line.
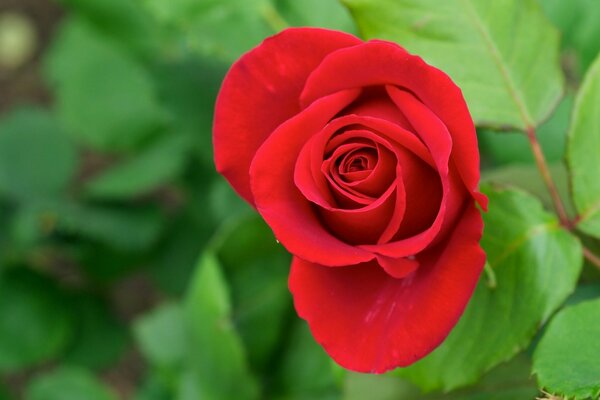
(363,160)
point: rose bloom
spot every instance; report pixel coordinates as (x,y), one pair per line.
(363,160)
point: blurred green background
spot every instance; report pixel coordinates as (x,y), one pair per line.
(128,268)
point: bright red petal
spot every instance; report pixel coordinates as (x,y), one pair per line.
(290,215)
(261,91)
(369,321)
(355,67)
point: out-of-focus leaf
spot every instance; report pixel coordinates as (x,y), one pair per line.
(306,371)
(217,360)
(584,292)
(102,263)
(156,165)
(320,13)
(68,383)
(528,178)
(536,266)
(583,153)
(105,99)
(257,268)
(513,147)
(161,335)
(508,381)
(4,394)
(507,83)
(123,20)
(228,28)
(153,388)
(188,90)
(35,324)
(127,229)
(36,158)
(566,359)
(225,203)
(578,23)
(100,338)
(173,263)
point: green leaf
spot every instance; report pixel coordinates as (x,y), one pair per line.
(123,228)
(566,359)
(153,388)
(175,258)
(306,371)
(35,324)
(578,23)
(320,13)
(36,158)
(152,167)
(123,20)
(228,28)
(104,97)
(4,395)
(583,152)
(188,89)
(257,268)
(508,381)
(536,264)
(528,178)
(161,336)
(502,54)
(513,147)
(216,354)
(100,339)
(68,383)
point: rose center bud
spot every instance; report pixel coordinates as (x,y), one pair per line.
(387,191)
(361,160)
(359,170)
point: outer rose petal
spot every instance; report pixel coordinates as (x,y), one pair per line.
(385,63)
(262,90)
(289,214)
(370,322)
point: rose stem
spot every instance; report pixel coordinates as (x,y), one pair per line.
(556,200)
(542,165)
(591,257)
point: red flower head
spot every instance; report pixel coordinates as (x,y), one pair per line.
(363,160)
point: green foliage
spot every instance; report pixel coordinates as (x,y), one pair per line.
(502,148)
(566,359)
(68,383)
(507,83)
(508,381)
(152,167)
(99,338)
(227,28)
(216,353)
(536,266)
(258,269)
(584,152)
(103,96)
(35,324)
(578,22)
(161,336)
(306,371)
(37,160)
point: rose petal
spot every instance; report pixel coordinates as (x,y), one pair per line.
(397,267)
(385,63)
(261,91)
(289,214)
(354,225)
(437,139)
(369,321)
